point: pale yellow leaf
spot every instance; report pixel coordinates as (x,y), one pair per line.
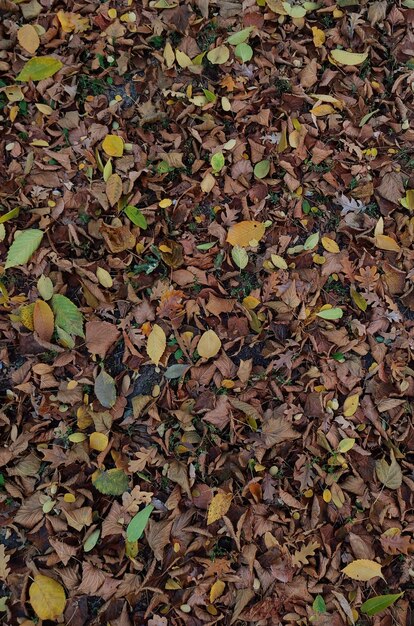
(279,262)
(243,233)
(218,55)
(169,55)
(348,58)
(28,38)
(104,277)
(209,344)
(47,597)
(345,445)
(363,570)
(157,342)
(217,590)
(350,405)
(330,245)
(113,145)
(183,59)
(208,183)
(384,242)
(218,507)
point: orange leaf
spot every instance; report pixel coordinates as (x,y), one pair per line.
(43,320)
(243,233)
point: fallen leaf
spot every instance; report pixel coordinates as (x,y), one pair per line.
(343,57)
(243,233)
(28,38)
(390,475)
(113,146)
(157,342)
(43,320)
(47,597)
(218,507)
(209,344)
(363,570)
(39,68)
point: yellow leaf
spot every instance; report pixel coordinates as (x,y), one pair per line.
(283,142)
(363,570)
(349,58)
(113,145)
(327,496)
(169,55)
(217,590)
(208,183)
(114,188)
(157,342)
(26,315)
(44,108)
(250,302)
(383,242)
(243,233)
(98,441)
(350,405)
(330,245)
(183,59)
(218,55)
(72,22)
(209,344)
(318,37)
(39,68)
(104,277)
(47,597)
(358,299)
(28,38)
(164,204)
(219,506)
(322,109)
(279,262)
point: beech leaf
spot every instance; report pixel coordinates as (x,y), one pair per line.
(47,597)
(25,243)
(39,68)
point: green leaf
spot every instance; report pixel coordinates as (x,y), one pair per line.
(244,52)
(9,215)
(136,216)
(217,161)
(113,482)
(319,605)
(211,97)
(331,314)
(138,523)
(45,287)
(261,169)
(240,257)
(311,241)
(105,389)
(358,299)
(25,243)
(67,315)
(379,603)
(91,541)
(176,371)
(240,37)
(65,339)
(206,246)
(339,356)
(38,68)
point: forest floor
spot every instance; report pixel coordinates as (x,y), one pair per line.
(207,312)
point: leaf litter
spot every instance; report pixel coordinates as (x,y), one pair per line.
(206,367)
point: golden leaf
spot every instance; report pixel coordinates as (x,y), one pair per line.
(218,507)
(217,590)
(350,405)
(209,344)
(98,441)
(113,145)
(318,37)
(47,597)
(383,242)
(322,109)
(157,343)
(28,38)
(243,233)
(363,570)
(330,245)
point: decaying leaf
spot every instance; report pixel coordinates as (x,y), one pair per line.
(219,506)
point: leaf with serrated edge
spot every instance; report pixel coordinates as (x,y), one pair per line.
(363,570)
(25,243)
(67,315)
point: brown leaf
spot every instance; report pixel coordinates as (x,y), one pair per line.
(117,238)
(43,320)
(100,336)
